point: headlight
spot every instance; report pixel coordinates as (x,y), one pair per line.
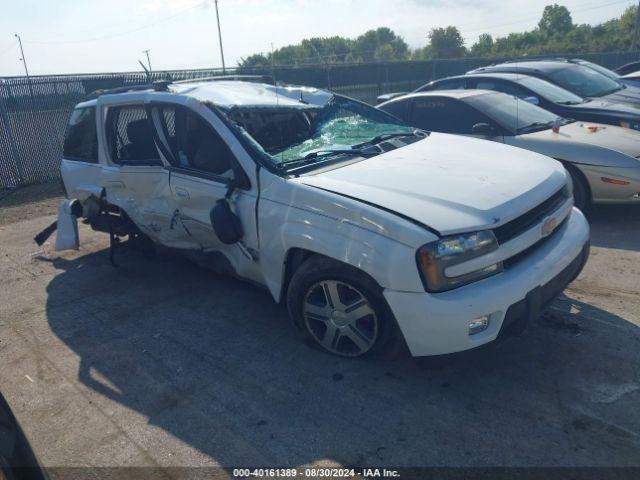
(434,258)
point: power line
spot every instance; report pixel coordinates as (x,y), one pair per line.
(120,34)
(8,49)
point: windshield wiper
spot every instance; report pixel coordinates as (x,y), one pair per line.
(387,136)
(325,156)
(536,125)
(335,151)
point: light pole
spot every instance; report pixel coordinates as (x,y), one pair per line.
(24,61)
(322,60)
(224,70)
(148,59)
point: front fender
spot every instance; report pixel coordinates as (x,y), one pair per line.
(391,263)
(575,152)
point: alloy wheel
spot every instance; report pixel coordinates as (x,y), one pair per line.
(340,318)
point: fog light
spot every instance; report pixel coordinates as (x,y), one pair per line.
(479,324)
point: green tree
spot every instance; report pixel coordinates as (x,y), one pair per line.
(556,20)
(446,42)
(367,44)
(255,60)
(483,47)
(381,44)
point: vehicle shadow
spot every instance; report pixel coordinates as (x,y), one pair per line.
(615,226)
(217,365)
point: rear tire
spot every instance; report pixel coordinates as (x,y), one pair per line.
(341,310)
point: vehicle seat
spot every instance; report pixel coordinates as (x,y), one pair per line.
(141,145)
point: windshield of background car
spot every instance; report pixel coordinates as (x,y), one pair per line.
(512,113)
(549,91)
(584,81)
(599,68)
(290,133)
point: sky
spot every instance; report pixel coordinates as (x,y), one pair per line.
(85,36)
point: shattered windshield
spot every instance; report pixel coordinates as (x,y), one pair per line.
(291,133)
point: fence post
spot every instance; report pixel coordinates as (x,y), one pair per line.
(12,139)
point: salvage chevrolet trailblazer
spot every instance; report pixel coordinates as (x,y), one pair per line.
(375,235)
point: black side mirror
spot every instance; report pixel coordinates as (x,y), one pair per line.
(226,224)
(483,129)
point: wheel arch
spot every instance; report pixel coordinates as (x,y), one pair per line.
(571,168)
(294,258)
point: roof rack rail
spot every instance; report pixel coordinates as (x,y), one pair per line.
(163,85)
(158,86)
(241,78)
(536,59)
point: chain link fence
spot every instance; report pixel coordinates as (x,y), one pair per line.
(34,112)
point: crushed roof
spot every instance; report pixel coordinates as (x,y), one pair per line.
(232,93)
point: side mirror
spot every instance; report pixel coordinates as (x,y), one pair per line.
(532,100)
(225,223)
(483,129)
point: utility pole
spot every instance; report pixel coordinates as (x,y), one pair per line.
(24,61)
(224,70)
(636,29)
(148,59)
(326,64)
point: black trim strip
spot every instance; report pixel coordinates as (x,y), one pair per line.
(200,174)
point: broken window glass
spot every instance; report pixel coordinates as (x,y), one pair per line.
(289,133)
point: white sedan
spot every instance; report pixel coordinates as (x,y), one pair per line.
(602,159)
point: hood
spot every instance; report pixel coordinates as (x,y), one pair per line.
(629,94)
(449,183)
(606,105)
(631,81)
(586,143)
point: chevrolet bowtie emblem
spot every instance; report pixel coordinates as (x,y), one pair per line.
(548,226)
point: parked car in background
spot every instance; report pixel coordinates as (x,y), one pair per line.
(601,159)
(630,81)
(579,79)
(372,232)
(546,95)
(631,77)
(627,68)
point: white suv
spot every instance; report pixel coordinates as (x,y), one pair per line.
(376,235)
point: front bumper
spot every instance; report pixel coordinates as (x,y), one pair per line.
(436,324)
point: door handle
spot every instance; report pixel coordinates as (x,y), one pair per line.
(114,184)
(182,193)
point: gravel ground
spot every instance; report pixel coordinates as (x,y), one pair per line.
(160,363)
(29,202)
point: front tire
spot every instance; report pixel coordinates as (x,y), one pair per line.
(581,191)
(342,311)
